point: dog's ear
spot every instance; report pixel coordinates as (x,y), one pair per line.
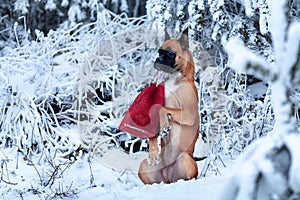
(167,35)
(184,40)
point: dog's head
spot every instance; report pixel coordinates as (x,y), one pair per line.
(174,55)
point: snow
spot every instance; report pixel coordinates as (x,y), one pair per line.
(99,179)
(50,5)
(238,54)
(255,160)
(194,189)
(293,45)
(21,5)
(200,5)
(278,27)
(248,7)
(107,182)
(293,143)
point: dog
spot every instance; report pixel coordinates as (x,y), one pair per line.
(170,156)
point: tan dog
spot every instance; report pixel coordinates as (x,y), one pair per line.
(174,160)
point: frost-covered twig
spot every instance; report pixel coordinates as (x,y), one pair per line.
(38,88)
(4,170)
(63,192)
(115,69)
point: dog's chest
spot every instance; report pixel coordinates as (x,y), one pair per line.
(171,85)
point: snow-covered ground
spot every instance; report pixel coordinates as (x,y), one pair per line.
(113,176)
(94,179)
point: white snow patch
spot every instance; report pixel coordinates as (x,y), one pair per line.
(240,56)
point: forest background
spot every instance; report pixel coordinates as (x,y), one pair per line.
(69,70)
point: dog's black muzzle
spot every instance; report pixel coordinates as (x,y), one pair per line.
(165,61)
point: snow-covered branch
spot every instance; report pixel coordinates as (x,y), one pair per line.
(241,59)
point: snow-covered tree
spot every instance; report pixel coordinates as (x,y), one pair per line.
(51,14)
(271,165)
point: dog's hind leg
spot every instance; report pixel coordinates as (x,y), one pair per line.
(150,174)
(184,168)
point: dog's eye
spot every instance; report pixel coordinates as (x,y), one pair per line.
(171,54)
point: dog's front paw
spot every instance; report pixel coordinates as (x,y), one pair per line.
(153,157)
